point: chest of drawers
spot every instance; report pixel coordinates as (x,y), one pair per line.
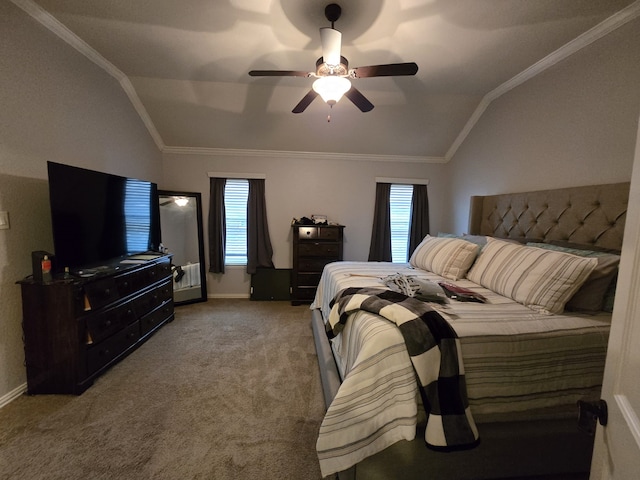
(313,247)
(75,329)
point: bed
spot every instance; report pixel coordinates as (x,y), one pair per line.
(528,355)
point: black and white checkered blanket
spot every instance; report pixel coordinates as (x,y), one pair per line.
(434,349)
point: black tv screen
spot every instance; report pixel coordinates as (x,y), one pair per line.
(99,217)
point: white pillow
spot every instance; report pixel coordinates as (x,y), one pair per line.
(543,280)
(448,257)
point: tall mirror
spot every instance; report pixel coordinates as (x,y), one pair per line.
(181,224)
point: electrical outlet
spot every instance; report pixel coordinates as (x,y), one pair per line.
(4,220)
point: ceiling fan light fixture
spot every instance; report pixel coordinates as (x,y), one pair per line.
(332,70)
(181,201)
(331,88)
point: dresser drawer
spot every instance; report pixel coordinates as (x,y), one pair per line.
(318,249)
(164,269)
(161,314)
(304,294)
(157,272)
(307,233)
(103,353)
(329,233)
(105,324)
(101,293)
(308,279)
(128,283)
(153,299)
(311,264)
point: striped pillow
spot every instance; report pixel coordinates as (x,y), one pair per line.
(591,295)
(543,280)
(448,257)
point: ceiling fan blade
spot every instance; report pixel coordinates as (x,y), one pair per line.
(388,70)
(331,40)
(359,100)
(279,73)
(305,102)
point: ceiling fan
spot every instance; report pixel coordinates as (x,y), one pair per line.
(332,70)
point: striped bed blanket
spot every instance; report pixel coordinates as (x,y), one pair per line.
(434,350)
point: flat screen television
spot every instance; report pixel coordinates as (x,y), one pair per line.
(98,217)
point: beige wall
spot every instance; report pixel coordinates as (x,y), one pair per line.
(344,190)
(575,124)
(54,105)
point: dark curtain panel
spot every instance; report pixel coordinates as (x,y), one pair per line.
(419,227)
(217,225)
(380,249)
(259,251)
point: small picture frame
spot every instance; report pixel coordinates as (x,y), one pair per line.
(319,219)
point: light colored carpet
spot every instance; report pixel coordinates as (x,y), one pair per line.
(229,390)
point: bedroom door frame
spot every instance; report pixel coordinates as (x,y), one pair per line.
(617,445)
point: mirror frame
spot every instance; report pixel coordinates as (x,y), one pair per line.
(197,196)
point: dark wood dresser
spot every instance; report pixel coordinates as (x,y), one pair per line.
(76,328)
(313,247)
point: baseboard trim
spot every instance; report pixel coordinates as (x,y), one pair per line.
(9,397)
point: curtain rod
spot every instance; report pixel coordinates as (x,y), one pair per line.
(408,181)
(251,176)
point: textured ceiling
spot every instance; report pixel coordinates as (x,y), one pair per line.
(187,61)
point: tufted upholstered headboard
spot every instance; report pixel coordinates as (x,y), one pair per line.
(592,215)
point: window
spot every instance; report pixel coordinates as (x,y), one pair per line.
(400,213)
(400,219)
(137,215)
(236,193)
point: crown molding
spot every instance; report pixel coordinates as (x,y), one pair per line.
(230,152)
(54,25)
(615,21)
(595,33)
(127,86)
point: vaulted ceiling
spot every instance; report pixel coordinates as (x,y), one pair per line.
(185,65)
